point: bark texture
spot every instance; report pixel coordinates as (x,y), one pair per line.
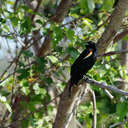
(68,105)
(113,27)
(124,63)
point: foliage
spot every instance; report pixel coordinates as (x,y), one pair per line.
(67,41)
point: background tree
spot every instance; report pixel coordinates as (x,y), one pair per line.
(39,42)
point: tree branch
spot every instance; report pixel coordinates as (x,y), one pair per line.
(108,94)
(113,27)
(105,86)
(15,5)
(120,35)
(113,53)
(68,105)
(36,9)
(94,108)
(119,123)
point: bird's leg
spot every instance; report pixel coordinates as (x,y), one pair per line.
(85,77)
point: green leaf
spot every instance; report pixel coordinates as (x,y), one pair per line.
(26,8)
(107,4)
(14,20)
(57,35)
(32,106)
(53,59)
(87,22)
(2,20)
(87,6)
(26,26)
(6,28)
(125,37)
(25,90)
(8,107)
(23,73)
(39,90)
(70,34)
(21,64)
(10,2)
(36,88)
(122,109)
(48,81)
(24,83)
(39,21)
(83,3)
(45,31)
(72,52)
(24,123)
(36,98)
(27,53)
(40,66)
(91,5)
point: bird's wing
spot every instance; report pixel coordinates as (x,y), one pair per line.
(84,54)
(77,62)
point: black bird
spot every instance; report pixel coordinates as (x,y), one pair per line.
(83,64)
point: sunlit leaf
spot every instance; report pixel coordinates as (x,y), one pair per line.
(8,107)
(53,59)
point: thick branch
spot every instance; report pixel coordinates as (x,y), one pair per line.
(120,35)
(113,27)
(68,105)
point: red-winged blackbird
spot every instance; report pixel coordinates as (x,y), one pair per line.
(83,64)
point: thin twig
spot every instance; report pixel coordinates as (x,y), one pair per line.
(108,94)
(77,102)
(119,123)
(94,108)
(7,69)
(113,53)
